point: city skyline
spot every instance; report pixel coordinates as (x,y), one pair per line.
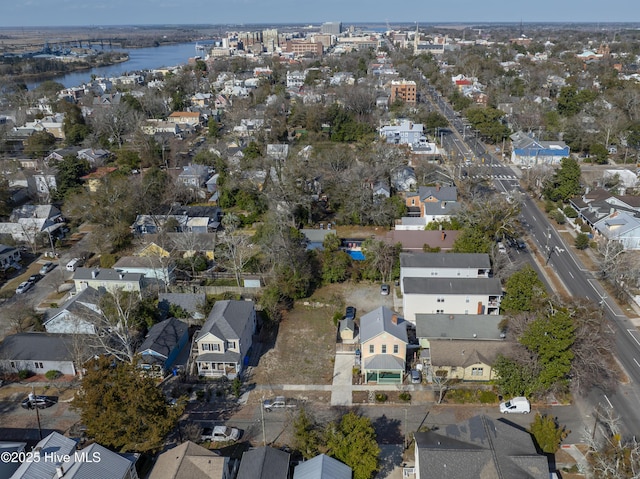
(33,13)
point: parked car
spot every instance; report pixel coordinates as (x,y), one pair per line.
(24,287)
(516,405)
(501,248)
(384,289)
(34,278)
(279,402)
(41,402)
(46,267)
(74,264)
(416,376)
(521,244)
(220,434)
(350,313)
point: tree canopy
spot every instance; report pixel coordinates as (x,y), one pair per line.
(352,440)
(524,291)
(565,183)
(123,408)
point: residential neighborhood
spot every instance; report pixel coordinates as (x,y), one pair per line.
(387,235)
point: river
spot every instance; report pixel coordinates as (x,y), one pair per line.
(139,59)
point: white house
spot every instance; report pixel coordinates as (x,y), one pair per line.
(450,296)
(444,265)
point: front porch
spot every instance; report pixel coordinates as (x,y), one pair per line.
(218,369)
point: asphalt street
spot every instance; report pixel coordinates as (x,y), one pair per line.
(462,144)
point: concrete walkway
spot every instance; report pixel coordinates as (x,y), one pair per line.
(581,460)
(342,387)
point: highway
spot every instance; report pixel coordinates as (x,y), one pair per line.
(472,158)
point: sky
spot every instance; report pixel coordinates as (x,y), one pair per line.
(28,13)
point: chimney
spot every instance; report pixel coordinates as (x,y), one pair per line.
(94,273)
(443,205)
(59,471)
(438,187)
(394,319)
(443,235)
(121,275)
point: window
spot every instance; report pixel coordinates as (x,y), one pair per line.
(371,349)
(440,299)
(468,299)
(384,349)
(210,347)
(477,372)
(38,365)
(231,345)
(13,365)
(395,349)
(439,311)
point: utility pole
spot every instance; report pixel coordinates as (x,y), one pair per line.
(549,250)
(264,436)
(34,405)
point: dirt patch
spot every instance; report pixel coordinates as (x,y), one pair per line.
(303,351)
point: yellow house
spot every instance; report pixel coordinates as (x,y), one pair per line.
(153,249)
(383,345)
(466,360)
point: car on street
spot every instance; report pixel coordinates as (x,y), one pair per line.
(279,402)
(220,434)
(34,278)
(384,289)
(41,402)
(24,287)
(46,267)
(350,313)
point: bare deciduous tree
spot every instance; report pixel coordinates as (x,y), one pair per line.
(236,249)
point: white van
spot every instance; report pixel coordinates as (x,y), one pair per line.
(74,263)
(516,405)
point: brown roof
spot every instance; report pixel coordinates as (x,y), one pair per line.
(463,353)
(188,114)
(415,240)
(188,461)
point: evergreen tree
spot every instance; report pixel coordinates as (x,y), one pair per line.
(547,433)
(524,291)
(353,441)
(122,408)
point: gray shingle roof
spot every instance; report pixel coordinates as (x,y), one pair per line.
(164,336)
(380,321)
(441,208)
(445,260)
(38,347)
(443,193)
(190,302)
(480,447)
(460,286)
(106,274)
(227,319)
(264,463)
(458,326)
(322,467)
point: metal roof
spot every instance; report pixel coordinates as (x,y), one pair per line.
(380,321)
(322,467)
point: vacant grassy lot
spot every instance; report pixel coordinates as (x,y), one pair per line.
(302,352)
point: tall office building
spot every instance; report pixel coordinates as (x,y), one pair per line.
(332,28)
(270,39)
